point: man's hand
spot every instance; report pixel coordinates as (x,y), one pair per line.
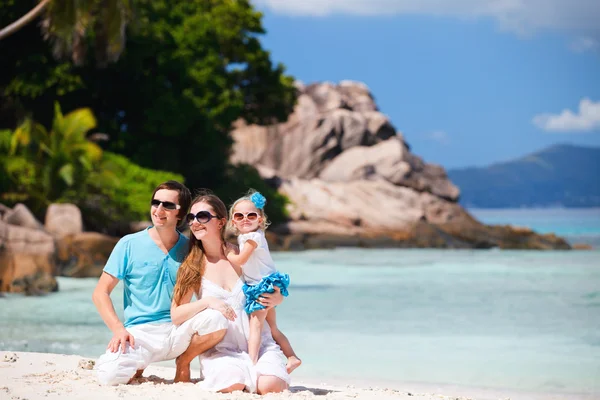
(271,299)
(119,339)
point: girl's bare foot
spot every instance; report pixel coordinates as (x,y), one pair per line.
(293,363)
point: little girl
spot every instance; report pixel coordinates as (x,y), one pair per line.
(248,220)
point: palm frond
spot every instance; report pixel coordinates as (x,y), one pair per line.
(5,140)
(66,173)
(77,123)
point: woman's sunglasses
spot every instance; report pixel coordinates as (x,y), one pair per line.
(201,216)
(238,216)
(167,205)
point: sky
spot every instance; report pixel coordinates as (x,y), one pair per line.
(467,82)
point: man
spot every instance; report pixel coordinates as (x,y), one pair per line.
(147,262)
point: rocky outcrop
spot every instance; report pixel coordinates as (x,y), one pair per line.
(26,260)
(32,254)
(84,255)
(63,219)
(352,180)
(21,216)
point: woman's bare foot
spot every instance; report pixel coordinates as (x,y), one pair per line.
(182,371)
(138,374)
(293,363)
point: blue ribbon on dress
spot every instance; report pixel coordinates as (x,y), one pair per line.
(266,285)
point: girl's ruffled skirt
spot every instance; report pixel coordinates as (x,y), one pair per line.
(266,285)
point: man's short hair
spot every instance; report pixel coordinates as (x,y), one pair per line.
(184,197)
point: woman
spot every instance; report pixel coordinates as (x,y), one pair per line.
(208,274)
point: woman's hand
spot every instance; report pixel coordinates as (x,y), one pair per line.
(270,300)
(222,307)
(119,339)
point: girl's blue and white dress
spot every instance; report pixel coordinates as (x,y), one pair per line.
(259,272)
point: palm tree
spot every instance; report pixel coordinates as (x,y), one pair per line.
(52,166)
(67,23)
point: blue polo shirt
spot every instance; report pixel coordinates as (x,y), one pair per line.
(148,276)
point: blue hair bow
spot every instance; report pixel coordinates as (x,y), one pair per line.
(258,200)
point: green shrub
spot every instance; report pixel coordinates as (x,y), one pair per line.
(121,194)
(240,178)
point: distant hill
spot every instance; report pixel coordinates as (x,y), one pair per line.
(561,175)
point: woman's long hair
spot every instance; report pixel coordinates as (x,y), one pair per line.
(189,275)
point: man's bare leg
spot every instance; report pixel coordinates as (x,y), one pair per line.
(198,345)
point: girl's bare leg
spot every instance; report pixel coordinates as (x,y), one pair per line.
(257,319)
(283,342)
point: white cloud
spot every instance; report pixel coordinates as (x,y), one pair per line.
(587,119)
(583,44)
(438,136)
(521,16)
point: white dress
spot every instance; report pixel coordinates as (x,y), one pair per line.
(228,362)
(260,263)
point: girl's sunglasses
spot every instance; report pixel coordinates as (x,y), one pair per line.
(238,216)
(201,216)
(167,205)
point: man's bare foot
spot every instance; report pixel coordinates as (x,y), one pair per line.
(293,363)
(182,371)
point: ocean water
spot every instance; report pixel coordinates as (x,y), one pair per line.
(523,320)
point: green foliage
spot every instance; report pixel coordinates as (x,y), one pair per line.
(189,70)
(128,186)
(71,26)
(40,167)
(50,166)
(240,179)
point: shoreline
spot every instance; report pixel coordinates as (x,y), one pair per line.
(28,375)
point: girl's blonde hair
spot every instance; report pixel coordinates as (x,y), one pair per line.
(189,275)
(261,211)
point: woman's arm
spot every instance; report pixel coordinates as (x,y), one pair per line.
(187,309)
(243,256)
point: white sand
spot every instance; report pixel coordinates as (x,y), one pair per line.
(42,375)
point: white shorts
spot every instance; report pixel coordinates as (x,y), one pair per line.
(153,343)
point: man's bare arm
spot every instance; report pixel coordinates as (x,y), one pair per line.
(101,298)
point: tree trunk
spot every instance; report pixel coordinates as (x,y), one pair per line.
(24,20)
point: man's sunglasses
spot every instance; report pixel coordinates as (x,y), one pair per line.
(203,217)
(238,216)
(167,205)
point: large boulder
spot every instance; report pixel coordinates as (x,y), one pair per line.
(352,180)
(311,138)
(84,255)
(385,159)
(63,219)
(30,256)
(26,260)
(20,215)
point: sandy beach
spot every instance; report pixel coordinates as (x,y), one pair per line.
(43,375)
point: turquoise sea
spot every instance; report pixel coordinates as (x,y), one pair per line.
(514,320)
